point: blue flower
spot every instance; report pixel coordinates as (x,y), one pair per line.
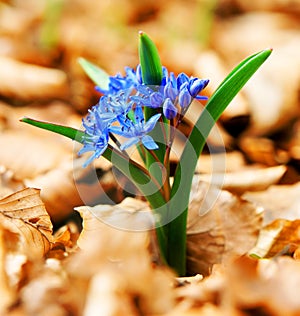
(184,97)
(137,130)
(119,82)
(169,109)
(174,90)
(96,135)
(195,86)
(111,107)
(126,96)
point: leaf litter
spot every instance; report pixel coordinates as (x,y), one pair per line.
(243,229)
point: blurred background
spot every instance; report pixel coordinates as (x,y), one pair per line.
(41,41)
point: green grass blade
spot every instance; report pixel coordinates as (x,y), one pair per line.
(96,74)
(66,131)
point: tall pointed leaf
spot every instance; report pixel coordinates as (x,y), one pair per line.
(193,148)
(96,74)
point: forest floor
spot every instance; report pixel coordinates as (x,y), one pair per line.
(57,254)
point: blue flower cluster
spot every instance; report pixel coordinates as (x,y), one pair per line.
(120,109)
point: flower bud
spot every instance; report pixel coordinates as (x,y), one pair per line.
(184,97)
(196,86)
(169,109)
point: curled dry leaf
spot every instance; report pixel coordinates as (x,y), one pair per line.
(120,270)
(249,179)
(263,150)
(37,82)
(245,286)
(7,293)
(52,292)
(268,286)
(24,214)
(130,215)
(220,225)
(29,155)
(8,184)
(279,202)
(281,232)
(279,237)
(278,95)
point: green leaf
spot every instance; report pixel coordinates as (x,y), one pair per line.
(133,171)
(66,131)
(150,61)
(185,170)
(152,75)
(96,74)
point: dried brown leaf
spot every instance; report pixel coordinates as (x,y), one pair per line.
(268,286)
(279,237)
(37,82)
(116,253)
(247,179)
(280,96)
(8,184)
(52,292)
(220,162)
(59,197)
(220,225)
(279,201)
(7,293)
(24,214)
(263,150)
(130,220)
(29,155)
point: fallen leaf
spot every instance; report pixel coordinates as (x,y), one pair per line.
(279,202)
(263,150)
(247,179)
(120,265)
(125,217)
(8,294)
(268,286)
(24,214)
(37,82)
(29,155)
(220,225)
(52,291)
(278,238)
(8,184)
(280,97)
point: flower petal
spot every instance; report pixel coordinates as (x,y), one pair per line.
(149,143)
(129,143)
(150,124)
